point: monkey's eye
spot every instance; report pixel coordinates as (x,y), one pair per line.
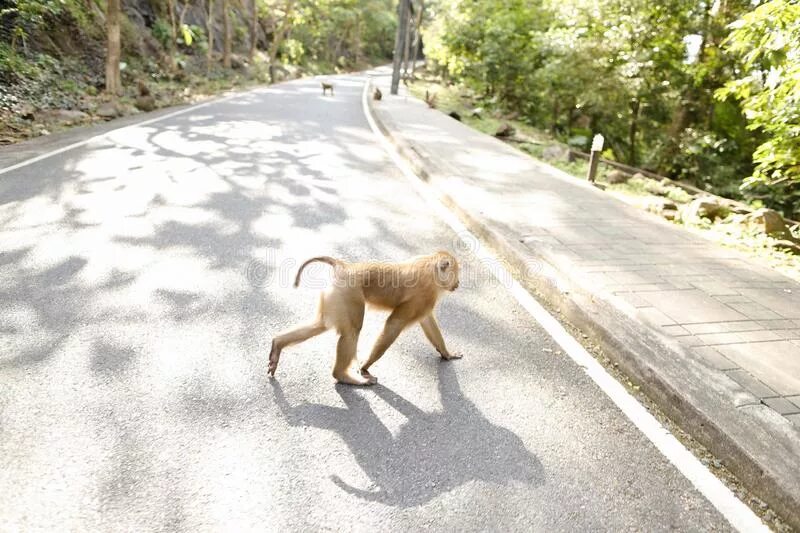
(444,264)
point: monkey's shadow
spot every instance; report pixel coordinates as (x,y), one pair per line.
(431,454)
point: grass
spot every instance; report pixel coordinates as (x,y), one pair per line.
(638,191)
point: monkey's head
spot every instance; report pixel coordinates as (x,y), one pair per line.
(446,268)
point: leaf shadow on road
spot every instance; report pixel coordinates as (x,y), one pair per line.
(432,453)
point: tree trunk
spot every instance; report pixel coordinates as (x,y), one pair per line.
(417,37)
(277,39)
(226,23)
(632,131)
(357,40)
(554,119)
(113,79)
(172,23)
(406,47)
(570,117)
(183,13)
(253,30)
(210,32)
(398,44)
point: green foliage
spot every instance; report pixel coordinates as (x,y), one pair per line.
(341,32)
(26,15)
(13,65)
(766,43)
(294,50)
(162,31)
(644,74)
(191,33)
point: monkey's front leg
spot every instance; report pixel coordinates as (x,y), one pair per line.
(393,327)
(431,329)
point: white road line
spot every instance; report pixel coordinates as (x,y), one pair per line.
(102,135)
(737,513)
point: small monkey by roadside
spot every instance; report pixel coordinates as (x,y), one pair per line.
(327,87)
(377,95)
(409,290)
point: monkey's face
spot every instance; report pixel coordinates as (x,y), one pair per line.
(447,272)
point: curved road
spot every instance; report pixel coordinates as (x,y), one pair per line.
(142,277)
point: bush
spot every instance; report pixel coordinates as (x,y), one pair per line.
(162,31)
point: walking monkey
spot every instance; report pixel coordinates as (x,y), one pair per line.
(409,289)
(327,87)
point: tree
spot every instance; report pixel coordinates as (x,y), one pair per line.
(226,39)
(279,34)
(113,78)
(768,87)
(253,30)
(210,32)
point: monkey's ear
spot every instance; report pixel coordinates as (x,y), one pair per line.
(444,264)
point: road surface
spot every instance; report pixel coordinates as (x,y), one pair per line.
(142,277)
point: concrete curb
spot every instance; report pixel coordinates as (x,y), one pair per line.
(751,441)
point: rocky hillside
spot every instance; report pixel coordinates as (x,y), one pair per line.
(52,53)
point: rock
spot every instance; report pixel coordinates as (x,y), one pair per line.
(555,152)
(87,106)
(455,115)
(670,214)
(578,141)
(142,87)
(145,103)
(26,112)
(107,110)
(704,207)
(789,246)
(660,206)
(654,187)
(477,112)
(238,62)
(769,222)
(67,116)
(617,176)
(505,130)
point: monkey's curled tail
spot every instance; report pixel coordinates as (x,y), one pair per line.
(323,259)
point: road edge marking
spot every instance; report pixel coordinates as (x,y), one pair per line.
(99,136)
(739,515)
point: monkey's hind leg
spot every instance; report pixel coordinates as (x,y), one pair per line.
(289,338)
(345,309)
(343,370)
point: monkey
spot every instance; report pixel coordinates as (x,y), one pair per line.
(377,95)
(144,90)
(409,289)
(327,87)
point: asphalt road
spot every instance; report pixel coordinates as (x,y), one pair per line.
(142,277)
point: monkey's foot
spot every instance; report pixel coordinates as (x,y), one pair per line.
(369,376)
(274,357)
(354,379)
(451,356)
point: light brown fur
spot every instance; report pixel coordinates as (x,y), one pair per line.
(409,290)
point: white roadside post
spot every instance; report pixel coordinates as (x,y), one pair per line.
(594,158)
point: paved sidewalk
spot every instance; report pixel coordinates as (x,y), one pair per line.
(711,335)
